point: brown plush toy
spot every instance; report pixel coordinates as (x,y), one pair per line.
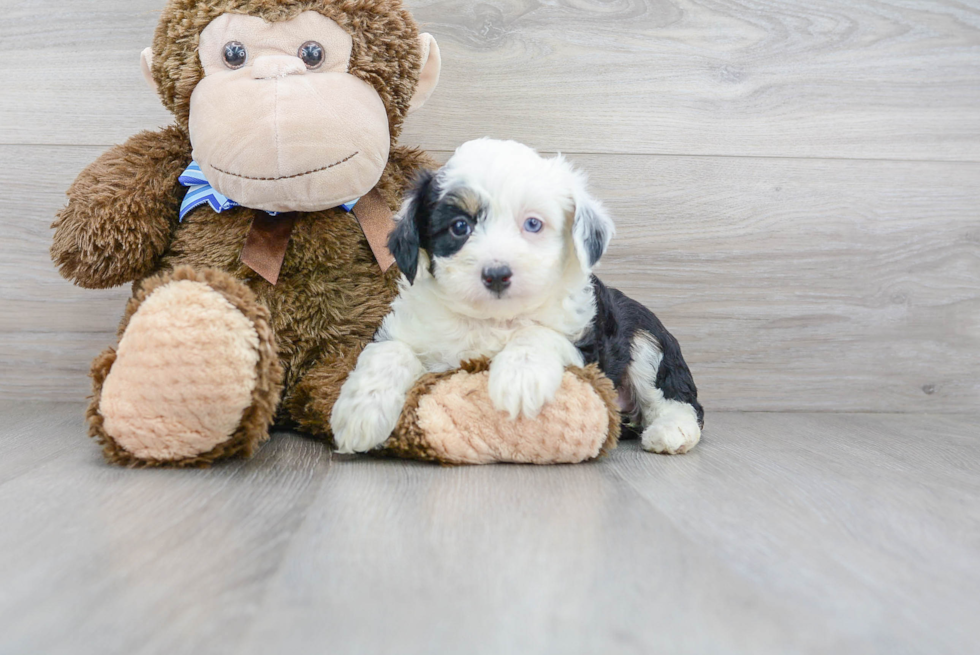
(254,232)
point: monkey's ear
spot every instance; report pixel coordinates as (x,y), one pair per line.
(429,75)
(146,64)
(592,228)
(405,241)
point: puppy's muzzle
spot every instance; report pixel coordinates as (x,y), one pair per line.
(497,278)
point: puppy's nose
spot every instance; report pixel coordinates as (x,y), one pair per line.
(270,67)
(497,278)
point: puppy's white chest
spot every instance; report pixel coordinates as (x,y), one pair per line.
(443,340)
(472,342)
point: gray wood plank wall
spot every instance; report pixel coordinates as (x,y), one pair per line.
(797,183)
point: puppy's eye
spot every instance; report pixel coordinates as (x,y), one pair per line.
(460,228)
(534,225)
(235,55)
(311,53)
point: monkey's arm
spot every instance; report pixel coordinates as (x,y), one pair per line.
(121,211)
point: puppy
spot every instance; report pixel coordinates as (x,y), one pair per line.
(497,250)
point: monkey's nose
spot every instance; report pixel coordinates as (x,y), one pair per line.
(270,67)
(497,278)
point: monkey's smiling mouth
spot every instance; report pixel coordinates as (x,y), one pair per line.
(287,177)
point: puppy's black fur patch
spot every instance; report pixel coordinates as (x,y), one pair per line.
(596,236)
(405,239)
(427,225)
(609,343)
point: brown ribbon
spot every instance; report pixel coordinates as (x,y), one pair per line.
(377,221)
(267,242)
(265,247)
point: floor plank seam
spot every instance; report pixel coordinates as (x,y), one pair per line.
(587,153)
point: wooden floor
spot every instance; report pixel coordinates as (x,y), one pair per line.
(782,533)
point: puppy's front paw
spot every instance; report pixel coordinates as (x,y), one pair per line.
(523,385)
(362,422)
(674,432)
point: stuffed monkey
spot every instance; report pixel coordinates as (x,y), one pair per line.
(254,231)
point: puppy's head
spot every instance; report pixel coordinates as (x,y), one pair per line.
(500,229)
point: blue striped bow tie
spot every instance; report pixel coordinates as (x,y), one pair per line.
(200,191)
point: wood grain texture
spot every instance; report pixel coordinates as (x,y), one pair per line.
(824,78)
(95,557)
(779,534)
(792,284)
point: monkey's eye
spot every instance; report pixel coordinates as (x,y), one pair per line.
(460,229)
(235,55)
(534,225)
(311,53)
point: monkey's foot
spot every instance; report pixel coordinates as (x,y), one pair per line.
(195,377)
(450,418)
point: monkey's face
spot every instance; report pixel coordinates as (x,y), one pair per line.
(278,123)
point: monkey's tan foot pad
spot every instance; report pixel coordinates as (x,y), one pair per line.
(449,418)
(191,381)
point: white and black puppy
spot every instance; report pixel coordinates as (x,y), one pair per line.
(497,250)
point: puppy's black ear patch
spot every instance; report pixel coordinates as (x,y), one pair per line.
(406,239)
(404,246)
(592,230)
(595,237)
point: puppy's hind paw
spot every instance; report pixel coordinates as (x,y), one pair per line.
(674,432)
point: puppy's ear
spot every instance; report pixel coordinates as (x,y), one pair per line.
(406,239)
(592,227)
